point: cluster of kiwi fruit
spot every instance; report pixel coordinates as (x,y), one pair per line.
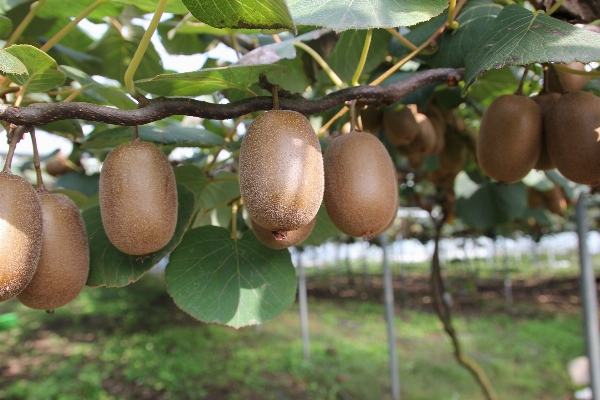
(44,255)
(547,131)
(284,178)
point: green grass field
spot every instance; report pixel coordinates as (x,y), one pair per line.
(133,343)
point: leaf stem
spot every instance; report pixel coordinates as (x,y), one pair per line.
(363,58)
(519,91)
(332,75)
(139,53)
(74,94)
(33,10)
(452,23)
(36,162)
(67,28)
(234,210)
(555,7)
(402,39)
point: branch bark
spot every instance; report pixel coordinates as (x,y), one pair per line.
(43,113)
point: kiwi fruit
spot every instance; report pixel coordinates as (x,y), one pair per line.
(572,131)
(20,234)
(138,198)
(534,198)
(438,120)
(510,138)
(554,200)
(415,160)
(58,166)
(371,118)
(425,141)
(570,82)
(361,188)
(292,238)
(281,171)
(400,126)
(545,100)
(64,260)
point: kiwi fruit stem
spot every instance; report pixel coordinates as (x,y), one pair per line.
(275,93)
(14,136)
(136,134)
(36,162)
(522,82)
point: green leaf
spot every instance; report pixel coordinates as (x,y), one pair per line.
(207,81)
(79,181)
(176,41)
(72,8)
(215,278)
(42,73)
(111,268)
(248,14)
(78,198)
(492,84)
(454,45)
(173,6)
(341,15)
(116,52)
(6,27)
(489,204)
(171,135)
(520,37)
(10,64)
(323,231)
(346,54)
(193,178)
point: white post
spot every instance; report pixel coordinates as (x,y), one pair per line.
(302,298)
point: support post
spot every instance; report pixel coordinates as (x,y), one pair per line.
(389,316)
(589,297)
(302,298)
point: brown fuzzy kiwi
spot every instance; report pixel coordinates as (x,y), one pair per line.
(361,188)
(58,166)
(371,118)
(425,142)
(292,238)
(281,171)
(454,154)
(554,200)
(438,120)
(545,100)
(572,132)
(415,160)
(510,138)
(64,261)
(392,220)
(138,198)
(400,126)
(20,234)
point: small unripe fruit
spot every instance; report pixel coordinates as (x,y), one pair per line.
(20,234)
(138,198)
(64,261)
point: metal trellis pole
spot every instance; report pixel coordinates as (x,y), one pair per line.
(589,297)
(389,316)
(303,308)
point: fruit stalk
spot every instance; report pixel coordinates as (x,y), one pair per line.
(14,136)
(36,162)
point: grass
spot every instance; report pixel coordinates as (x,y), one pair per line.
(133,343)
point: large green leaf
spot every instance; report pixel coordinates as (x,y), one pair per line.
(488,204)
(72,8)
(207,81)
(474,19)
(519,37)
(79,181)
(492,84)
(192,178)
(173,6)
(259,14)
(42,73)
(69,128)
(5,27)
(236,282)
(112,268)
(342,15)
(117,50)
(171,135)
(177,41)
(346,54)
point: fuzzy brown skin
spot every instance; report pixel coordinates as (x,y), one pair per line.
(292,238)
(454,153)
(544,162)
(361,188)
(572,132)
(510,138)
(281,171)
(20,234)
(400,126)
(64,261)
(138,198)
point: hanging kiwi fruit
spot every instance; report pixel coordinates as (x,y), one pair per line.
(138,198)
(281,171)
(361,188)
(572,126)
(293,238)
(544,100)
(400,125)
(20,227)
(510,138)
